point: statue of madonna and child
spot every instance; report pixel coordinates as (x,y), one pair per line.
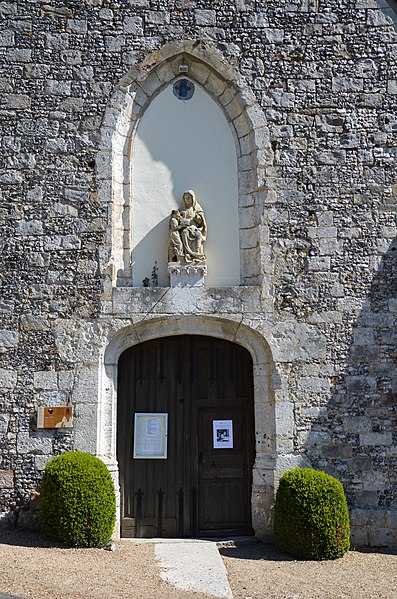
(187,232)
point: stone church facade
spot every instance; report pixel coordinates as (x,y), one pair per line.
(307,90)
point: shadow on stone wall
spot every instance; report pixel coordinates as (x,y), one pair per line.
(354,439)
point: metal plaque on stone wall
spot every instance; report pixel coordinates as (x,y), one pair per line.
(55,417)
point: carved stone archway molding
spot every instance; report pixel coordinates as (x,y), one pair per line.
(209,69)
(265,466)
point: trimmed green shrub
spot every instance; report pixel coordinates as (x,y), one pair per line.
(311,519)
(77,500)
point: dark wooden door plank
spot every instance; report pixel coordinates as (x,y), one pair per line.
(195,380)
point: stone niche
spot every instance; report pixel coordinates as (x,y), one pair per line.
(156,145)
(174,141)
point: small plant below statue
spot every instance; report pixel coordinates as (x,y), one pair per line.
(154,278)
(77,500)
(311,519)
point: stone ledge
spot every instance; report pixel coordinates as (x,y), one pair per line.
(174,300)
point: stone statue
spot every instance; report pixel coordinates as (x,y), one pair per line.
(187,232)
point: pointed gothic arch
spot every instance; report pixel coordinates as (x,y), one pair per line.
(227,88)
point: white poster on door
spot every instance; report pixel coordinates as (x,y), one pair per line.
(222,434)
(150,436)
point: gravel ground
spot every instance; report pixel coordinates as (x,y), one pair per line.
(30,566)
(33,567)
(260,572)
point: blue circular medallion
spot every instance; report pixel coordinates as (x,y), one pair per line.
(183,89)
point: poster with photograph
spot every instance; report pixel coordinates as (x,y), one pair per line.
(223,434)
(150,436)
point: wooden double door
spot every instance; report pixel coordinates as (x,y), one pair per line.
(203,487)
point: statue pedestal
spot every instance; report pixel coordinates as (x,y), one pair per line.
(187,275)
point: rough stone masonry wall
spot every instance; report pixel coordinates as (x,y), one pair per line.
(325,74)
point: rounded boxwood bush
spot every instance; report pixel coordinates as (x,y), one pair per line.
(77,500)
(311,519)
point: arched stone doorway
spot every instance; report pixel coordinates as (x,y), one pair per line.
(186,442)
(264,375)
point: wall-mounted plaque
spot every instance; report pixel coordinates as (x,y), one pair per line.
(55,417)
(150,436)
(222,434)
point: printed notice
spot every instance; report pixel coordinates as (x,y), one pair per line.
(153,427)
(150,438)
(222,434)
